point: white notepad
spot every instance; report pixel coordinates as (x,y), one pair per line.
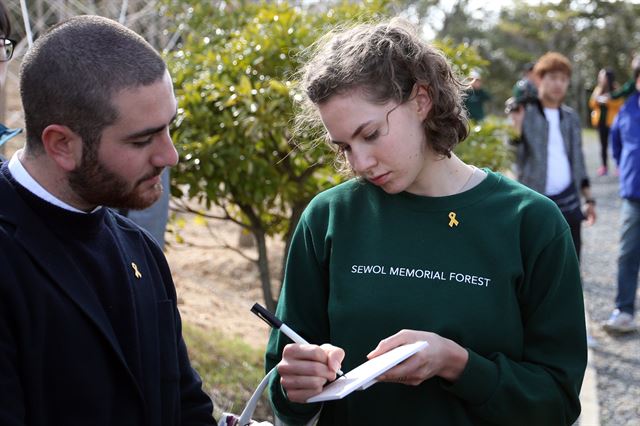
(365,374)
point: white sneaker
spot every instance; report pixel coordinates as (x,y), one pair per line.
(619,322)
(592,342)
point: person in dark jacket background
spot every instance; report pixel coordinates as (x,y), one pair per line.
(90,333)
(475,97)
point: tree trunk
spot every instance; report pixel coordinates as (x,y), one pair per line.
(296,212)
(263,267)
(246,239)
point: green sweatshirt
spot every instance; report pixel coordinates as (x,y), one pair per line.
(502,281)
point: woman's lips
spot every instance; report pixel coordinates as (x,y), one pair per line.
(380,179)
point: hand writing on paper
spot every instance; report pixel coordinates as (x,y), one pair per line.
(442,357)
(305,369)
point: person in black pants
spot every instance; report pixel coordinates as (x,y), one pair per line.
(603,110)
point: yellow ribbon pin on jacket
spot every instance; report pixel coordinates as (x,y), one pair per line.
(136,272)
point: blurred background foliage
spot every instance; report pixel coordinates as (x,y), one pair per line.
(234,88)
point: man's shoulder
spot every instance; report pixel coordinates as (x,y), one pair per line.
(119,219)
(533,116)
(566,109)
(9,211)
(10,217)
(131,230)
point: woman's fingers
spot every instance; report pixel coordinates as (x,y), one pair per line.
(402,337)
(305,369)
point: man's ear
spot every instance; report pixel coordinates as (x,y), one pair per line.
(423,101)
(63,146)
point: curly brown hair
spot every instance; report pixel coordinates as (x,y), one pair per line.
(386,61)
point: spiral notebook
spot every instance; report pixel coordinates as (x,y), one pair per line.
(365,374)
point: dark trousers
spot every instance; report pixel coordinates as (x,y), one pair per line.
(569,203)
(603,131)
(576,227)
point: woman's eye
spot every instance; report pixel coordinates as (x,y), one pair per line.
(371,136)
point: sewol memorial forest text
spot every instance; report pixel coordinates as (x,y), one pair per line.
(421,273)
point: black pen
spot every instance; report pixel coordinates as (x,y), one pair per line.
(275,322)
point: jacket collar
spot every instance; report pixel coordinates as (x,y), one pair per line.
(541,108)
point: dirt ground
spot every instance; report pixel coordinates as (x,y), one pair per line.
(217,286)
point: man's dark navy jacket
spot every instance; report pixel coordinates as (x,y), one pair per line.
(60,360)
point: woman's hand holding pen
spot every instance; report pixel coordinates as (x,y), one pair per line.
(443,358)
(305,369)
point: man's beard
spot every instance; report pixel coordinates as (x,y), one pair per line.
(98,186)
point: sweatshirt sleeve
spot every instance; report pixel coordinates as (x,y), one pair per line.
(305,281)
(627,88)
(543,386)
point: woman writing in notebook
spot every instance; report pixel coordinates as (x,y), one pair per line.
(421,246)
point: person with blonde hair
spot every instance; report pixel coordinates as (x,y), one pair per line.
(420,246)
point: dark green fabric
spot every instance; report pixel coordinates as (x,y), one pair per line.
(625,90)
(474,102)
(504,283)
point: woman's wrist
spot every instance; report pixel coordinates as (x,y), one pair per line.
(457,358)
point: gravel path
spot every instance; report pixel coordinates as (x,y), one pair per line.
(616,359)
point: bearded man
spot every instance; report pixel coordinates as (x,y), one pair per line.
(90,333)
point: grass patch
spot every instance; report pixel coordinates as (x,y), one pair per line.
(230,369)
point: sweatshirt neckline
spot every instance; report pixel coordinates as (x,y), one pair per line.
(449,202)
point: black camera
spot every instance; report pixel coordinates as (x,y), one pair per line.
(526,93)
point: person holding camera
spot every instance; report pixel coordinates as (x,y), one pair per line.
(549,145)
(524,91)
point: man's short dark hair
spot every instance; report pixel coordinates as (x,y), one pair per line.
(73,71)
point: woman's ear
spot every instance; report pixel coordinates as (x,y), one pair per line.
(423,101)
(63,146)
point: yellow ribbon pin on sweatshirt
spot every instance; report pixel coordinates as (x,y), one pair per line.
(452,220)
